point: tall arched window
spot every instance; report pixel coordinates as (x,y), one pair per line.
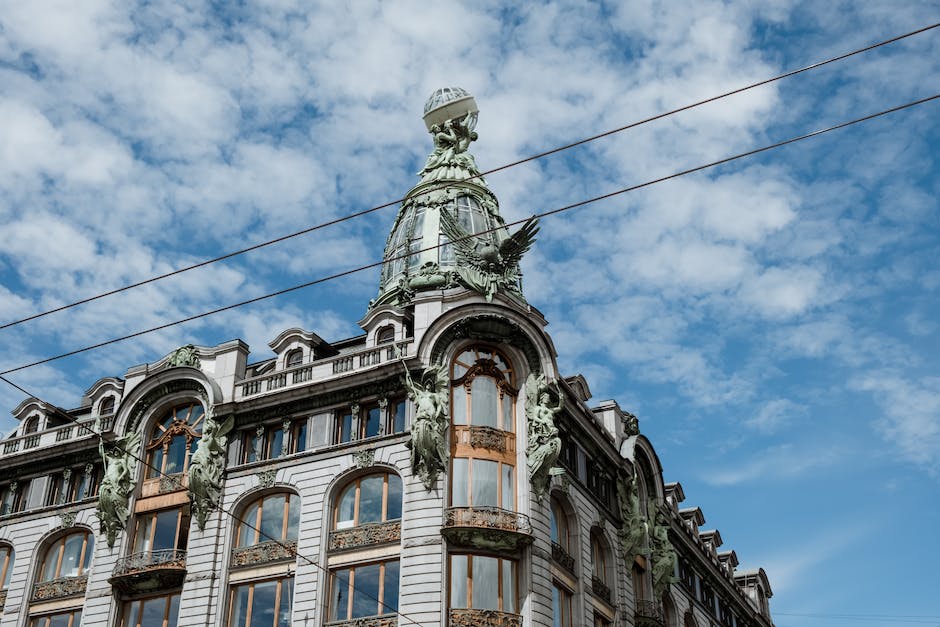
(369,499)
(562,543)
(6,565)
(484,394)
(601,573)
(266,534)
(173,440)
(69,556)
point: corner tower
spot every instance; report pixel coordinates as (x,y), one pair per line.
(449,231)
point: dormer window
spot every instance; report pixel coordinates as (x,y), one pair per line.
(385,335)
(107,406)
(32,425)
(294,358)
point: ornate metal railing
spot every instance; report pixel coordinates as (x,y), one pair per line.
(367,621)
(486,437)
(466,617)
(487,518)
(365,535)
(148,560)
(600,589)
(263,553)
(3,598)
(562,557)
(649,614)
(58,588)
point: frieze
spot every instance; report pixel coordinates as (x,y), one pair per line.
(59,588)
(264,553)
(365,535)
(367,621)
(488,438)
(466,617)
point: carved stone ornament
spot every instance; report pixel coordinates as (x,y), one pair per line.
(543,443)
(120,464)
(365,458)
(59,588)
(428,446)
(487,437)
(365,535)
(487,528)
(450,158)
(662,553)
(266,478)
(633,534)
(184,356)
(206,466)
(264,553)
(67,519)
(367,621)
(467,617)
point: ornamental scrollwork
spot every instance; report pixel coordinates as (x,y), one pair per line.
(365,535)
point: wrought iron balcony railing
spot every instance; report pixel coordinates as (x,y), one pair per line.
(466,617)
(148,560)
(58,588)
(601,589)
(562,557)
(649,614)
(365,535)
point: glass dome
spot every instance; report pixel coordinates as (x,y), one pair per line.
(444,95)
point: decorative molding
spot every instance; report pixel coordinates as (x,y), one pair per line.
(466,617)
(364,458)
(365,535)
(488,327)
(368,621)
(67,519)
(489,528)
(488,438)
(59,588)
(3,599)
(157,393)
(266,478)
(264,553)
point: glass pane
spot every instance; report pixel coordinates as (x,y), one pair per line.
(460,485)
(373,421)
(508,422)
(176,454)
(345,517)
(293,517)
(345,428)
(89,551)
(246,536)
(72,558)
(394,498)
(272,518)
(458,581)
(164,536)
(6,562)
(287,598)
(553,525)
(459,370)
(509,586)
(485,478)
(131,612)
(173,614)
(52,559)
(390,599)
(485,583)
(483,402)
(60,620)
(339,596)
(275,442)
(152,615)
(508,497)
(459,405)
(370,499)
(399,413)
(366,591)
(447,250)
(300,437)
(239,606)
(556,608)
(262,606)
(156,463)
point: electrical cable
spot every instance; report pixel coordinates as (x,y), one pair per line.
(534,157)
(179,484)
(472,235)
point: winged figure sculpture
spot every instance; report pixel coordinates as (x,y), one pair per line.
(484,265)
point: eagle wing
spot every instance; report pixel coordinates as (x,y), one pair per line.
(462,241)
(519,242)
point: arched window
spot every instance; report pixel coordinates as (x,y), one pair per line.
(483,390)
(294,358)
(600,567)
(107,406)
(273,517)
(562,549)
(385,335)
(369,499)
(173,440)
(32,425)
(6,565)
(69,556)
(669,612)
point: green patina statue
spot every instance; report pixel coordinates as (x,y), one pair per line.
(428,446)
(206,466)
(663,554)
(120,463)
(633,535)
(452,138)
(184,356)
(543,444)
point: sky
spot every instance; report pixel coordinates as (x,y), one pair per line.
(772,322)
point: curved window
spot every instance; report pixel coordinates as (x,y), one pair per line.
(482,390)
(69,556)
(107,406)
(482,483)
(482,582)
(600,567)
(7,554)
(294,358)
(559,527)
(173,440)
(262,603)
(32,425)
(385,335)
(369,499)
(273,517)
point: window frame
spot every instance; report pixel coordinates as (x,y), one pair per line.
(256,525)
(384,609)
(141,601)
(161,441)
(357,482)
(180,539)
(85,555)
(7,560)
(45,620)
(500,584)
(246,621)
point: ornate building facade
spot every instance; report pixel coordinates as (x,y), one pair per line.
(435,470)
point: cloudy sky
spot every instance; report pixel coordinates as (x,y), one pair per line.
(774,322)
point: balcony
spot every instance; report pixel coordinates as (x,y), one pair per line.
(466,617)
(561,557)
(488,528)
(149,570)
(58,588)
(367,621)
(649,614)
(365,535)
(264,553)
(601,589)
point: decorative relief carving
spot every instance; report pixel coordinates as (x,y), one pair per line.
(263,553)
(365,458)
(67,519)
(489,528)
(365,535)
(466,617)
(266,478)
(3,598)
(184,356)
(368,621)
(488,438)
(171,483)
(59,588)
(206,466)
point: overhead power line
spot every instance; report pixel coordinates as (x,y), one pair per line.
(179,484)
(513,164)
(517,222)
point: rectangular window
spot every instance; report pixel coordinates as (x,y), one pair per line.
(396,417)
(153,612)
(262,603)
(482,582)
(561,605)
(344,426)
(364,590)
(13,497)
(63,619)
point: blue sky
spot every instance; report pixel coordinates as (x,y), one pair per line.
(773,322)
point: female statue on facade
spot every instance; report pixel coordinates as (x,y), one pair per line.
(428,447)
(663,554)
(120,463)
(206,466)
(543,443)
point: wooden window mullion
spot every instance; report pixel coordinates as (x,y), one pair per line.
(284,516)
(59,557)
(277,600)
(384,498)
(349,592)
(381,598)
